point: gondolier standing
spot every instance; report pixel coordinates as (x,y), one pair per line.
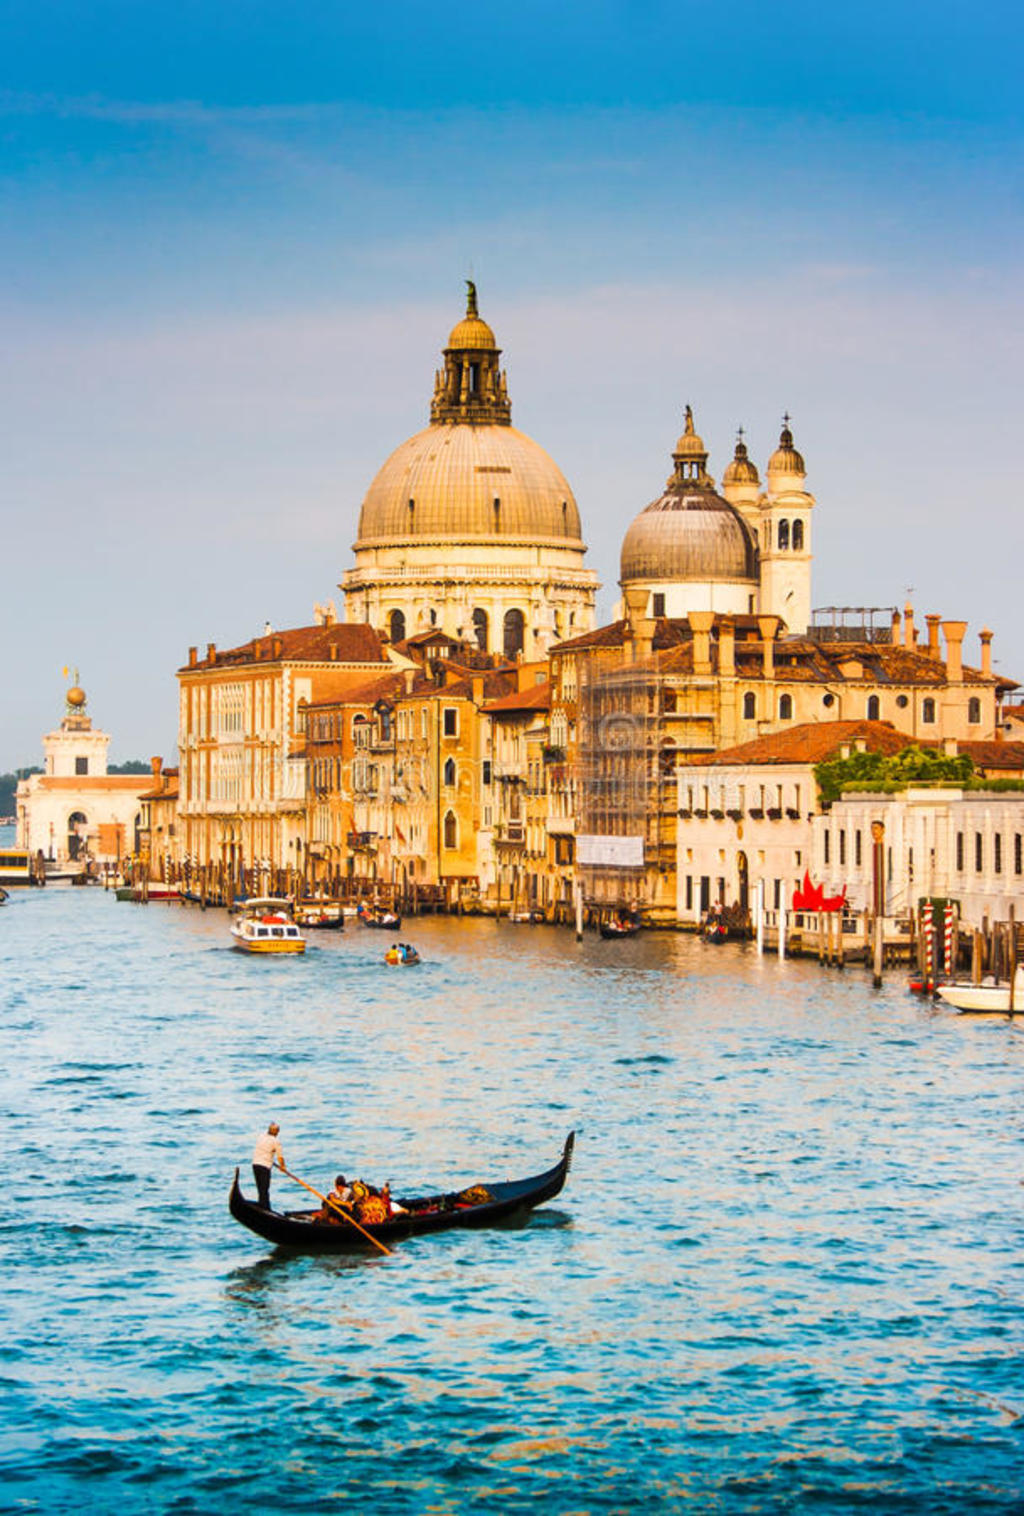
(267,1152)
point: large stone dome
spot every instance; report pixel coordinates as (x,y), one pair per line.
(469,480)
(689,534)
(696,536)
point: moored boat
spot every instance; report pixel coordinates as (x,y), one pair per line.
(619,926)
(265,925)
(320,915)
(473,1206)
(990,996)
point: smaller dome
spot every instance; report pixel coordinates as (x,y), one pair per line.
(472,331)
(75,696)
(740,470)
(786,459)
(695,537)
(690,445)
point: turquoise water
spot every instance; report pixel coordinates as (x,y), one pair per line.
(785,1274)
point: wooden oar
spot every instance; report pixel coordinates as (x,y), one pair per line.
(339,1208)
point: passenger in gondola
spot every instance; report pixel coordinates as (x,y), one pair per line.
(392,1206)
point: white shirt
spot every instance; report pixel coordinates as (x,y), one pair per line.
(266,1150)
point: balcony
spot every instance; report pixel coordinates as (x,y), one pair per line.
(362,842)
(510,835)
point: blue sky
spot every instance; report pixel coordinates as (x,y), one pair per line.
(233,238)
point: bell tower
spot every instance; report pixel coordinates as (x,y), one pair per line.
(785,511)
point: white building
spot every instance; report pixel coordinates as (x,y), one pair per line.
(75,811)
(951,844)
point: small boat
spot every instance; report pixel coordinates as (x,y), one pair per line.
(265,925)
(716,932)
(619,926)
(990,996)
(153,891)
(382,920)
(403,955)
(474,1206)
(320,915)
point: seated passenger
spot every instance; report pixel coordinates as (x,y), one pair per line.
(342,1192)
(392,1207)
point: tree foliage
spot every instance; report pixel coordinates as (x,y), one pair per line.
(890,772)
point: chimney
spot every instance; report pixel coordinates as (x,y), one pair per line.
(985,638)
(895,627)
(193,657)
(156,764)
(332,649)
(934,651)
(726,649)
(410,679)
(701,623)
(954,631)
(277,647)
(640,626)
(909,634)
(211,652)
(768,627)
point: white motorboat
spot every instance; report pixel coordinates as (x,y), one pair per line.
(267,925)
(991,995)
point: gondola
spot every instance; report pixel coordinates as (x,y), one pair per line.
(716,932)
(610,929)
(299,1231)
(387,921)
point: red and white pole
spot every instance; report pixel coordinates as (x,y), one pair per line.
(928,928)
(947,958)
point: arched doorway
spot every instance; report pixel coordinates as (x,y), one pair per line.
(514,629)
(480,628)
(77,823)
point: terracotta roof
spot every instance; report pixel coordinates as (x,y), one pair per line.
(170,792)
(495,684)
(811,742)
(536,699)
(1004,757)
(354,642)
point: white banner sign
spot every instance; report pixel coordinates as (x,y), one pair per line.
(610,852)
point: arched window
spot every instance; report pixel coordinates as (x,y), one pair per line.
(798,536)
(451,830)
(785,707)
(77,824)
(928,711)
(749,706)
(783,535)
(396,626)
(449,773)
(873,708)
(667,759)
(480,628)
(433,616)
(515,625)
(974,710)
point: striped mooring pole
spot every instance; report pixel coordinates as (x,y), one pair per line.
(928,928)
(947,956)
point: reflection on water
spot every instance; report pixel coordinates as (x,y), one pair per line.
(785,1270)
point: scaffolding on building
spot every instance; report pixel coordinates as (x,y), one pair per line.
(625,783)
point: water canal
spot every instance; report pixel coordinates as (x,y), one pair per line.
(786,1272)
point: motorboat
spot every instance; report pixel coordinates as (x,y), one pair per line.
(265,924)
(403,954)
(991,995)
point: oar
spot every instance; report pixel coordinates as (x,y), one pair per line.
(339,1208)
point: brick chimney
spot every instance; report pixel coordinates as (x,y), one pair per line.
(410,679)
(211,652)
(955,631)
(639,626)
(701,623)
(895,627)
(768,626)
(726,649)
(934,650)
(909,632)
(985,638)
(332,650)
(277,647)
(159,782)
(193,657)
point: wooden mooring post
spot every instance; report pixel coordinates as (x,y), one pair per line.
(876,977)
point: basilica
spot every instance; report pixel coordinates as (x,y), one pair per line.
(469,729)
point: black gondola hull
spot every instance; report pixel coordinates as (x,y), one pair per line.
(439,1213)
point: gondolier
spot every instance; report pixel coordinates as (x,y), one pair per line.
(267,1152)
